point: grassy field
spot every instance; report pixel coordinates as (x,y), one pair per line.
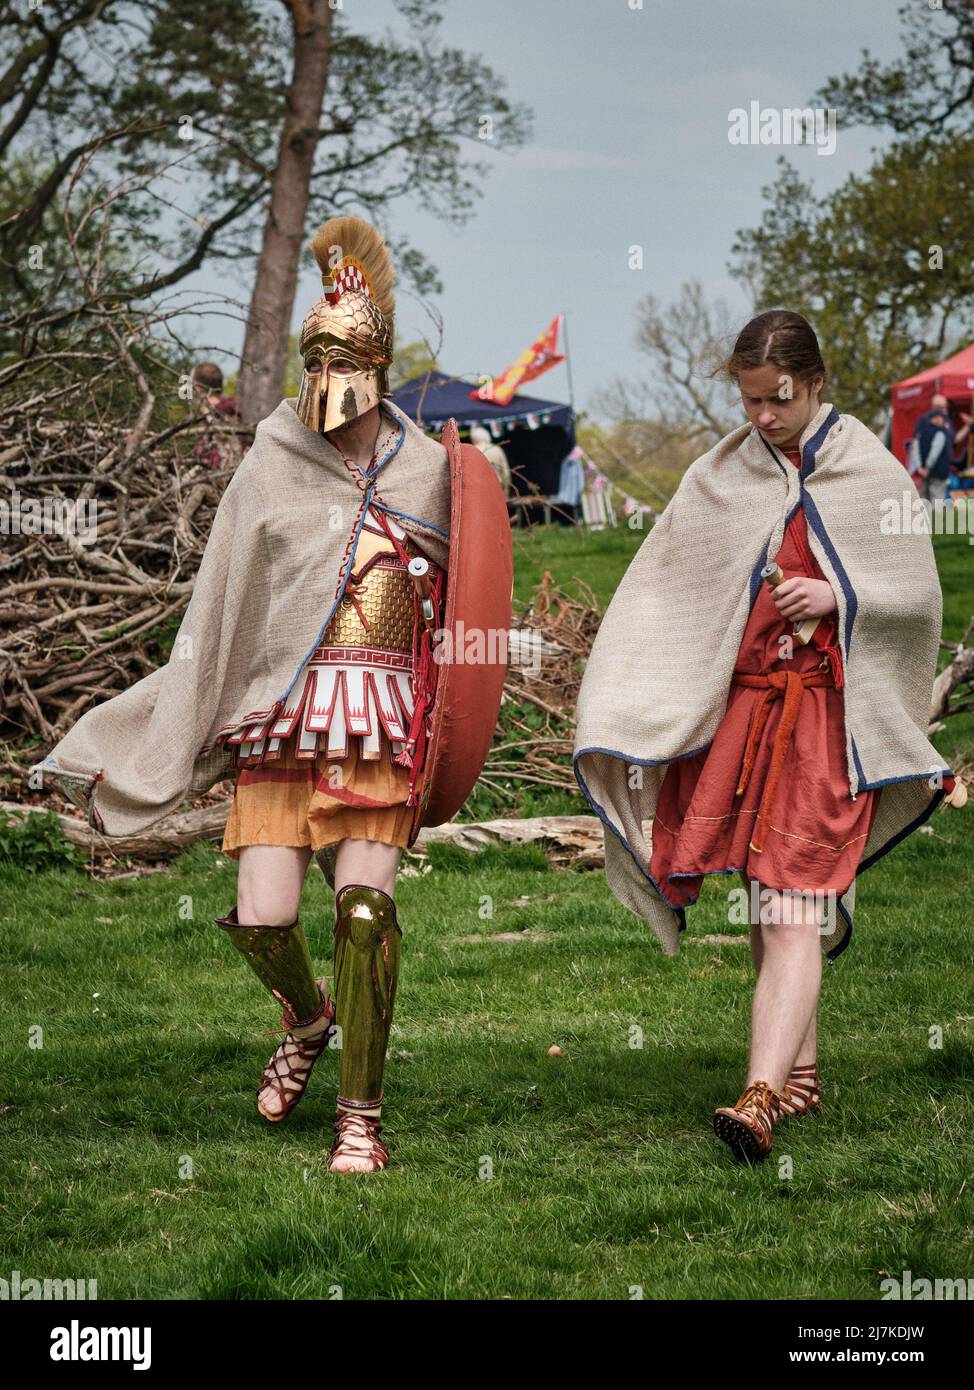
(133,1152)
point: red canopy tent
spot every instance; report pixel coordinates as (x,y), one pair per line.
(953,378)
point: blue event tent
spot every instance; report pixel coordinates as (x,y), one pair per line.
(536,435)
(446,396)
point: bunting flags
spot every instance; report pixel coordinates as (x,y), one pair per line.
(499,426)
(539,358)
(606,487)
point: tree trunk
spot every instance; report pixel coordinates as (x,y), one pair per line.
(261,382)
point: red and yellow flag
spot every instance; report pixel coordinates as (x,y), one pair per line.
(540,357)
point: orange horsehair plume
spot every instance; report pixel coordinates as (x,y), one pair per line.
(352,256)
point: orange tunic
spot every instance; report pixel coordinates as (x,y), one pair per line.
(291,801)
(783,744)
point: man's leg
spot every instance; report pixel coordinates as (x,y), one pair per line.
(269,883)
(366,861)
(265,928)
(367,939)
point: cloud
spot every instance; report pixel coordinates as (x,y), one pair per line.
(553,159)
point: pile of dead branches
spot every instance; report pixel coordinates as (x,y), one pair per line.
(110,464)
(103,540)
(550,641)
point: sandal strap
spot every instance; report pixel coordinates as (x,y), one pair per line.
(801,1090)
(760,1103)
(289,1069)
(357,1136)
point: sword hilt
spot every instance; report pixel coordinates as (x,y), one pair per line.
(774,575)
(419,572)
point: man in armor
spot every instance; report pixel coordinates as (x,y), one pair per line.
(335,763)
(324,576)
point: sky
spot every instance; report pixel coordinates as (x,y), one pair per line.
(629,148)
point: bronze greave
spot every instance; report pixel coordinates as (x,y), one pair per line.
(280,959)
(367,940)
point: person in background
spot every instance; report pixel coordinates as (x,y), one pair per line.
(494,455)
(934,444)
(216,447)
(961,439)
(571,482)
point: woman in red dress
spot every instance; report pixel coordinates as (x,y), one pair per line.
(800,757)
(769,799)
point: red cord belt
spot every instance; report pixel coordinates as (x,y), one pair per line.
(789,686)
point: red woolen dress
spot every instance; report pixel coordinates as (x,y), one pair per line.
(770,796)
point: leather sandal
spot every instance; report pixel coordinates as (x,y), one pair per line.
(289,1069)
(748,1126)
(357,1136)
(802,1095)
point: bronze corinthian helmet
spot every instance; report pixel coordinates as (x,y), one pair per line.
(346,339)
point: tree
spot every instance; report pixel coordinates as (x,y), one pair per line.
(929,88)
(410,360)
(881,267)
(232,99)
(683,400)
(272,297)
(662,422)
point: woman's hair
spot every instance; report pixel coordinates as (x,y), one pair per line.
(781,338)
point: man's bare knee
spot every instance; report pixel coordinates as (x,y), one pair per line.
(367,861)
(269,884)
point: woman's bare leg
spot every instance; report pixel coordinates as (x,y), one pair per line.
(808,1051)
(787,988)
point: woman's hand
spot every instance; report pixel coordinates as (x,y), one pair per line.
(800,598)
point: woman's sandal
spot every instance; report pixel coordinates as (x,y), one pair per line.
(801,1095)
(289,1069)
(357,1137)
(749,1125)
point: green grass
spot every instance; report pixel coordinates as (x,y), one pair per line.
(605,1172)
(599,558)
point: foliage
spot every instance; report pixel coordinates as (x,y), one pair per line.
(36,843)
(184,107)
(928,87)
(881,267)
(410,360)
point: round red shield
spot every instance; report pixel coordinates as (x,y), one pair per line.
(476,624)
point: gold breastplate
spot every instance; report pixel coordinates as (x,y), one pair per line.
(376,609)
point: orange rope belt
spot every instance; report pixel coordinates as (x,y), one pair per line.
(789,686)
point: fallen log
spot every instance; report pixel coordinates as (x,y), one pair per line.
(565,839)
(169,837)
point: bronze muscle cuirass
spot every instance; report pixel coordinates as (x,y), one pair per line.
(376,609)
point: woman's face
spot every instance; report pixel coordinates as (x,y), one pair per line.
(778,405)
